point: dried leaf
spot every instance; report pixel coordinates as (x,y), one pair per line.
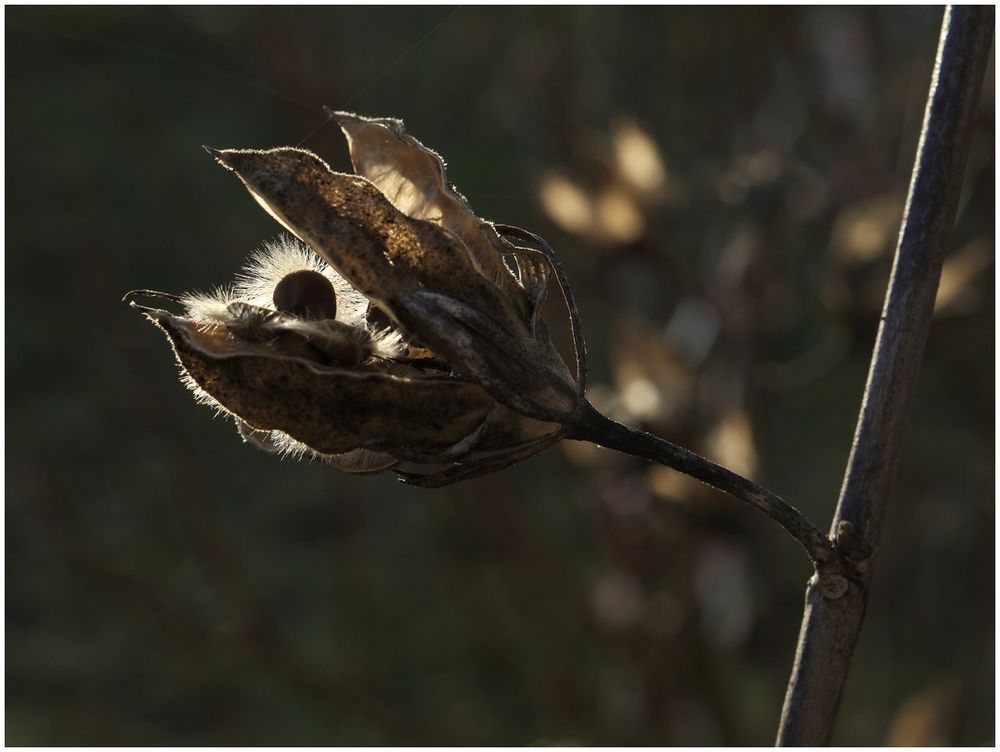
(345,219)
(619,219)
(567,204)
(480,466)
(358,461)
(533,271)
(526,374)
(413,178)
(637,157)
(330,410)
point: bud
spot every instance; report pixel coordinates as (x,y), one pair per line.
(397,330)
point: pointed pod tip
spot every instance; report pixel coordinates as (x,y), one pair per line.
(152,294)
(342,117)
(338,115)
(150,313)
(155,313)
(224,157)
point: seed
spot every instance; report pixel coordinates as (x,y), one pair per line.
(307,294)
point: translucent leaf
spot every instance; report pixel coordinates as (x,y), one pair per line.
(413,178)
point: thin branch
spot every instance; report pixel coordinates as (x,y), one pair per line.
(599,429)
(831,624)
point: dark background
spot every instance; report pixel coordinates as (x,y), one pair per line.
(167,584)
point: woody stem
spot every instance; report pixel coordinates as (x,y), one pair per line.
(596,428)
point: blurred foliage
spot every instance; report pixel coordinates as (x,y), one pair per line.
(724,186)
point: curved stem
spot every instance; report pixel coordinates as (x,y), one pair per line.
(599,429)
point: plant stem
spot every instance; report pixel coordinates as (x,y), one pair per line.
(599,429)
(831,624)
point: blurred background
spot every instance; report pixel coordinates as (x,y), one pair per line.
(724,186)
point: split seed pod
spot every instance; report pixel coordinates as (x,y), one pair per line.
(397,330)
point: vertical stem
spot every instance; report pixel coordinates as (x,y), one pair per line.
(830,625)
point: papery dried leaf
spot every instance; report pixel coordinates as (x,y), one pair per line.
(506,428)
(546,251)
(359,461)
(329,410)
(356,461)
(348,221)
(413,178)
(263,440)
(533,274)
(480,466)
(526,374)
(503,431)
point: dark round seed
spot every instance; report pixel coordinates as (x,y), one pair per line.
(306,294)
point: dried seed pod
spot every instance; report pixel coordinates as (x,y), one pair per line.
(396,331)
